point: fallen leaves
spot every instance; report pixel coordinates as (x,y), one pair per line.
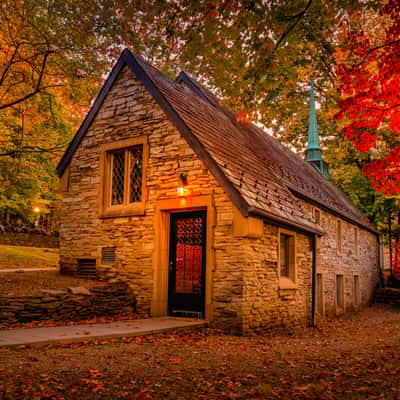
(354,357)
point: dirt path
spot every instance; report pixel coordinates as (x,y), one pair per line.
(355,357)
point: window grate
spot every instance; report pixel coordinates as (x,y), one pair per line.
(136,155)
(108,255)
(87,268)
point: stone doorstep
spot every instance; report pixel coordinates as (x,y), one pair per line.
(74,334)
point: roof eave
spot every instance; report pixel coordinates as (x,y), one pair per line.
(284,222)
(298,193)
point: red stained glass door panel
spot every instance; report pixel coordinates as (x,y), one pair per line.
(187,264)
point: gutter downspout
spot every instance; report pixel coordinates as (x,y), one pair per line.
(314,280)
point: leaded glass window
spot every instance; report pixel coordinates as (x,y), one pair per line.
(136,161)
(126,169)
(118,168)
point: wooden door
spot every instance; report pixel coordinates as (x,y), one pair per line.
(187,260)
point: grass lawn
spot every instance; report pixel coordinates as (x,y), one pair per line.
(354,357)
(29,283)
(27,257)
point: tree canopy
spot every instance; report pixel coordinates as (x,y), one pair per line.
(370,100)
(53,54)
(259,56)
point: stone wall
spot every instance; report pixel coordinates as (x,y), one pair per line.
(29,239)
(267,303)
(73,305)
(347,261)
(129,112)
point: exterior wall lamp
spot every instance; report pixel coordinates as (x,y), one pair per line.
(182,180)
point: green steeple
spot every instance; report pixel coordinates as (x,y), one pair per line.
(313,151)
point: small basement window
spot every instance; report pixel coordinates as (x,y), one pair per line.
(87,268)
(108,255)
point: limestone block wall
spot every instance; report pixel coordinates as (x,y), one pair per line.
(129,111)
(356,257)
(266,304)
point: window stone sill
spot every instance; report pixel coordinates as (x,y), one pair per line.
(123,211)
(286,283)
(286,287)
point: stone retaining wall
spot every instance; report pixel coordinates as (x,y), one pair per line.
(29,239)
(72,305)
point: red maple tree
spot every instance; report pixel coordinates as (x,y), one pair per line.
(369,82)
(369,105)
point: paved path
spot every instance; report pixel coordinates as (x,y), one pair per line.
(76,333)
(27,269)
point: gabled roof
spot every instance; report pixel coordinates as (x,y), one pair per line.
(261,176)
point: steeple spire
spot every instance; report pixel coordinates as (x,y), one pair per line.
(313,150)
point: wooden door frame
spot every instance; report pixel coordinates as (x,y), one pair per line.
(164,208)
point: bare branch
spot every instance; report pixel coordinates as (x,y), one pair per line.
(38,88)
(31,149)
(9,64)
(372,49)
(284,35)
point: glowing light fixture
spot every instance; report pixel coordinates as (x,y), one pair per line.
(182,178)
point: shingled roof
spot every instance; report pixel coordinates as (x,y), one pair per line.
(261,176)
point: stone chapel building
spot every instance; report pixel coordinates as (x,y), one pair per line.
(206,217)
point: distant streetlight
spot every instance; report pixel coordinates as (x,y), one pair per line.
(36,210)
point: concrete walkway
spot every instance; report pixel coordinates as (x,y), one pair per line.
(28,269)
(78,333)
